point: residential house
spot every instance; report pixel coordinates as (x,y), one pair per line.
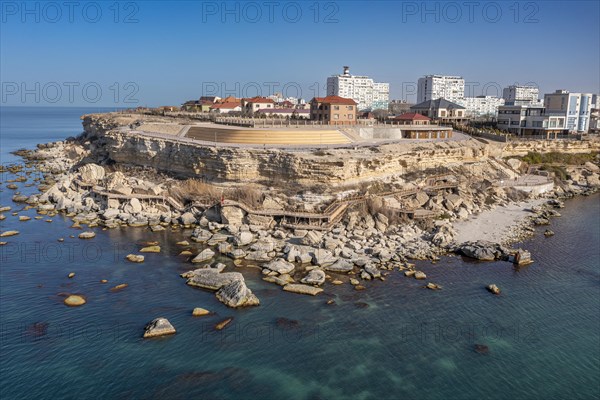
(333,110)
(441,110)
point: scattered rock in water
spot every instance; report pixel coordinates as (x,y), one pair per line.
(223,323)
(337,282)
(483,250)
(302,289)
(183,243)
(150,249)
(433,286)
(286,323)
(71,275)
(279,266)
(522,257)
(420,275)
(24,218)
(186,253)
(158,327)
(9,233)
(136,258)
(103,281)
(314,277)
(359,287)
(61,239)
(119,287)
(3,243)
(548,233)
(74,300)
(87,235)
(409,273)
(354,281)
(493,288)
(330,302)
(210,278)
(361,304)
(204,255)
(237,294)
(199,312)
(482,349)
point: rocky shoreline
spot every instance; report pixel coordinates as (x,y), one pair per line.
(364,245)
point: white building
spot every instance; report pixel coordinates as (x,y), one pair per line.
(515,95)
(574,107)
(481,106)
(368,94)
(433,87)
(529,119)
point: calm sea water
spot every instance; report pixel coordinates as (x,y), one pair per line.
(394,340)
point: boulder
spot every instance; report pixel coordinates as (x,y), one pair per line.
(314,277)
(323,258)
(340,266)
(87,235)
(232,215)
(150,249)
(237,294)
(201,235)
(312,238)
(243,238)
(493,288)
(210,278)
(158,327)
(302,289)
(483,250)
(134,206)
(137,258)
(74,300)
(372,270)
(199,312)
(91,173)
(204,255)
(420,275)
(187,218)
(280,266)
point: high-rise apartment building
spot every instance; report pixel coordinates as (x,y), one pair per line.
(433,87)
(368,94)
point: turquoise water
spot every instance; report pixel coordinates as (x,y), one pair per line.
(394,340)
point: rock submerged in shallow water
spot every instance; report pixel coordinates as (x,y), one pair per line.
(87,235)
(223,323)
(74,300)
(482,349)
(119,287)
(9,233)
(493,288)
(158,327)
(150,249)
(302,289)
(71,275)
(433,286)
(237,294)
(548,233)
(136,258)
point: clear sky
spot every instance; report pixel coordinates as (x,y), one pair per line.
(157,53)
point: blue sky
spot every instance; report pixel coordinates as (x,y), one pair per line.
(154,53)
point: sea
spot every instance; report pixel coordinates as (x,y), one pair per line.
(538,339)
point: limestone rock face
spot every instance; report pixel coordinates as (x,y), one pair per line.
(158,327)
(323,258)
(314,277)
(237,294)
(91,173)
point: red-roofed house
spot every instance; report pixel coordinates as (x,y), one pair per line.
(252,105)
(412,119)
(225,108)
(333,110)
